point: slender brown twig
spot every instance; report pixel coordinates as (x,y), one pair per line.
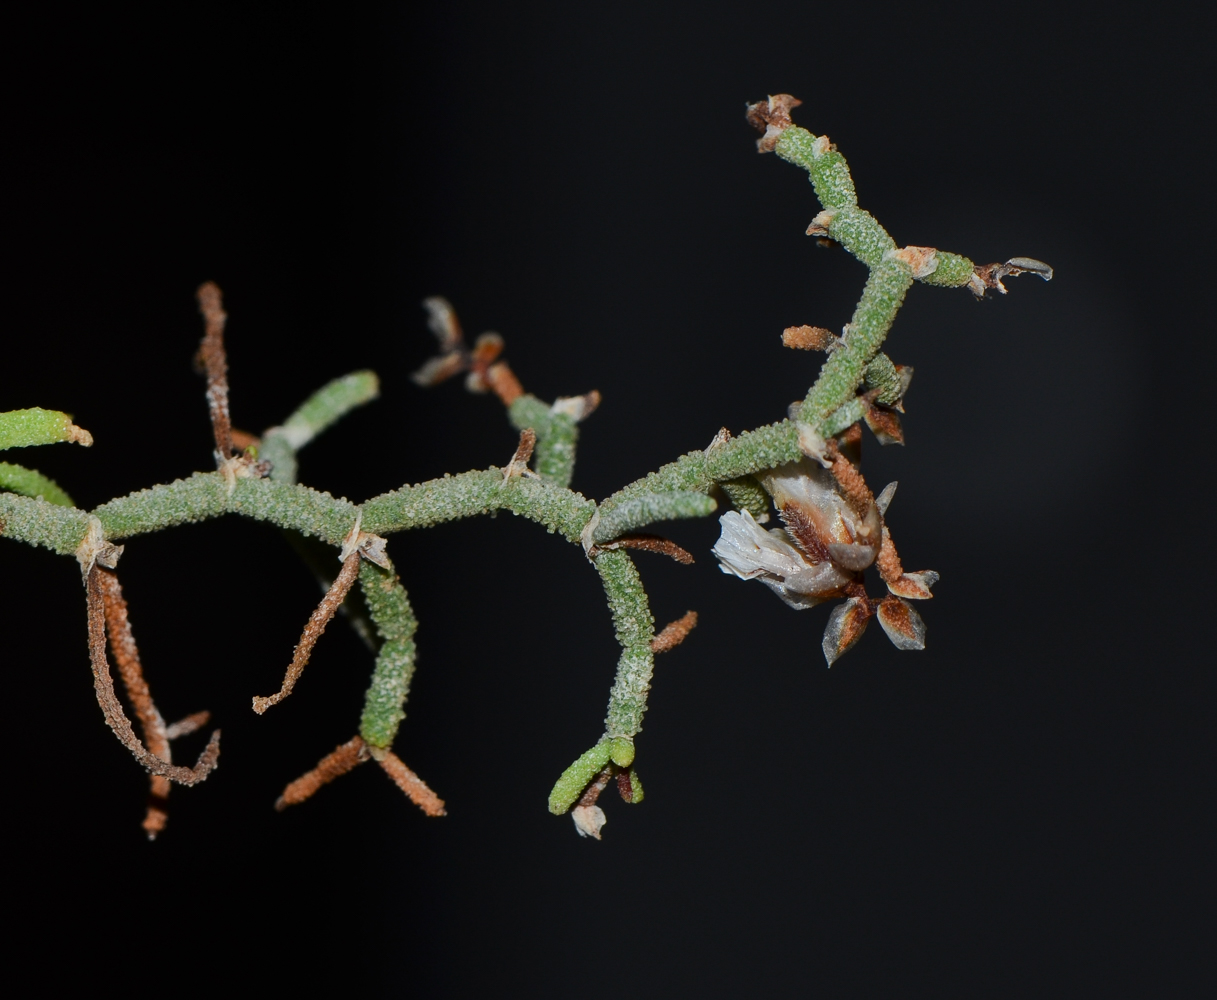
(333,765)
(853,485)
(112,709)
(215,364)
(503,383)
(186,726)
(518,466)
(599,783)
(651,543)
(130,670)
(674,634)
(317,622)
(410,783)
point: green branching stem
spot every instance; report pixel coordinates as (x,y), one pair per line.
(647,508)
(322,409)
(635,628)
(479,492)
(33,509)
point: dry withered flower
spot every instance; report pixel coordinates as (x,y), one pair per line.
(834,530)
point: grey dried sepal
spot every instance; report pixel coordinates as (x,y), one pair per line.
(845,627)
(853,557)
(901,623)
(1028,265)
(438,369)
(987,276)
(884,499)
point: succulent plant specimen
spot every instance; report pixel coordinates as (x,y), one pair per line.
(806,466)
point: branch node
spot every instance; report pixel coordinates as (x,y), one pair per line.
(371,547)
(771,117)
(94,549)
(518,466)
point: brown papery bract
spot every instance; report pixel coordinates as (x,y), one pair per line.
(888,562)
(518,466)
(503,383)
(807,338)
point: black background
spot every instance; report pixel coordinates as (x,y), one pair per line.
(1021,808)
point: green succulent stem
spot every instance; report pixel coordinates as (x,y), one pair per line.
(36,511)
(24,428)
(321,410)
(31,483)
(390,609)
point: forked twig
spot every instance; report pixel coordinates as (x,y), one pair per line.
(348,757)
(317,622)
(130,670)
(112,709)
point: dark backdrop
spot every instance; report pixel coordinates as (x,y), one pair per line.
(1021,807)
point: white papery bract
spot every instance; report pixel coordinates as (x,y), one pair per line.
(747,550)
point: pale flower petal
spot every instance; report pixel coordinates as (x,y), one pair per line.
(589,820)
(818,516)
(747,550)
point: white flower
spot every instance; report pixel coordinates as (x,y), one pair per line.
(820,519)
(825,546)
